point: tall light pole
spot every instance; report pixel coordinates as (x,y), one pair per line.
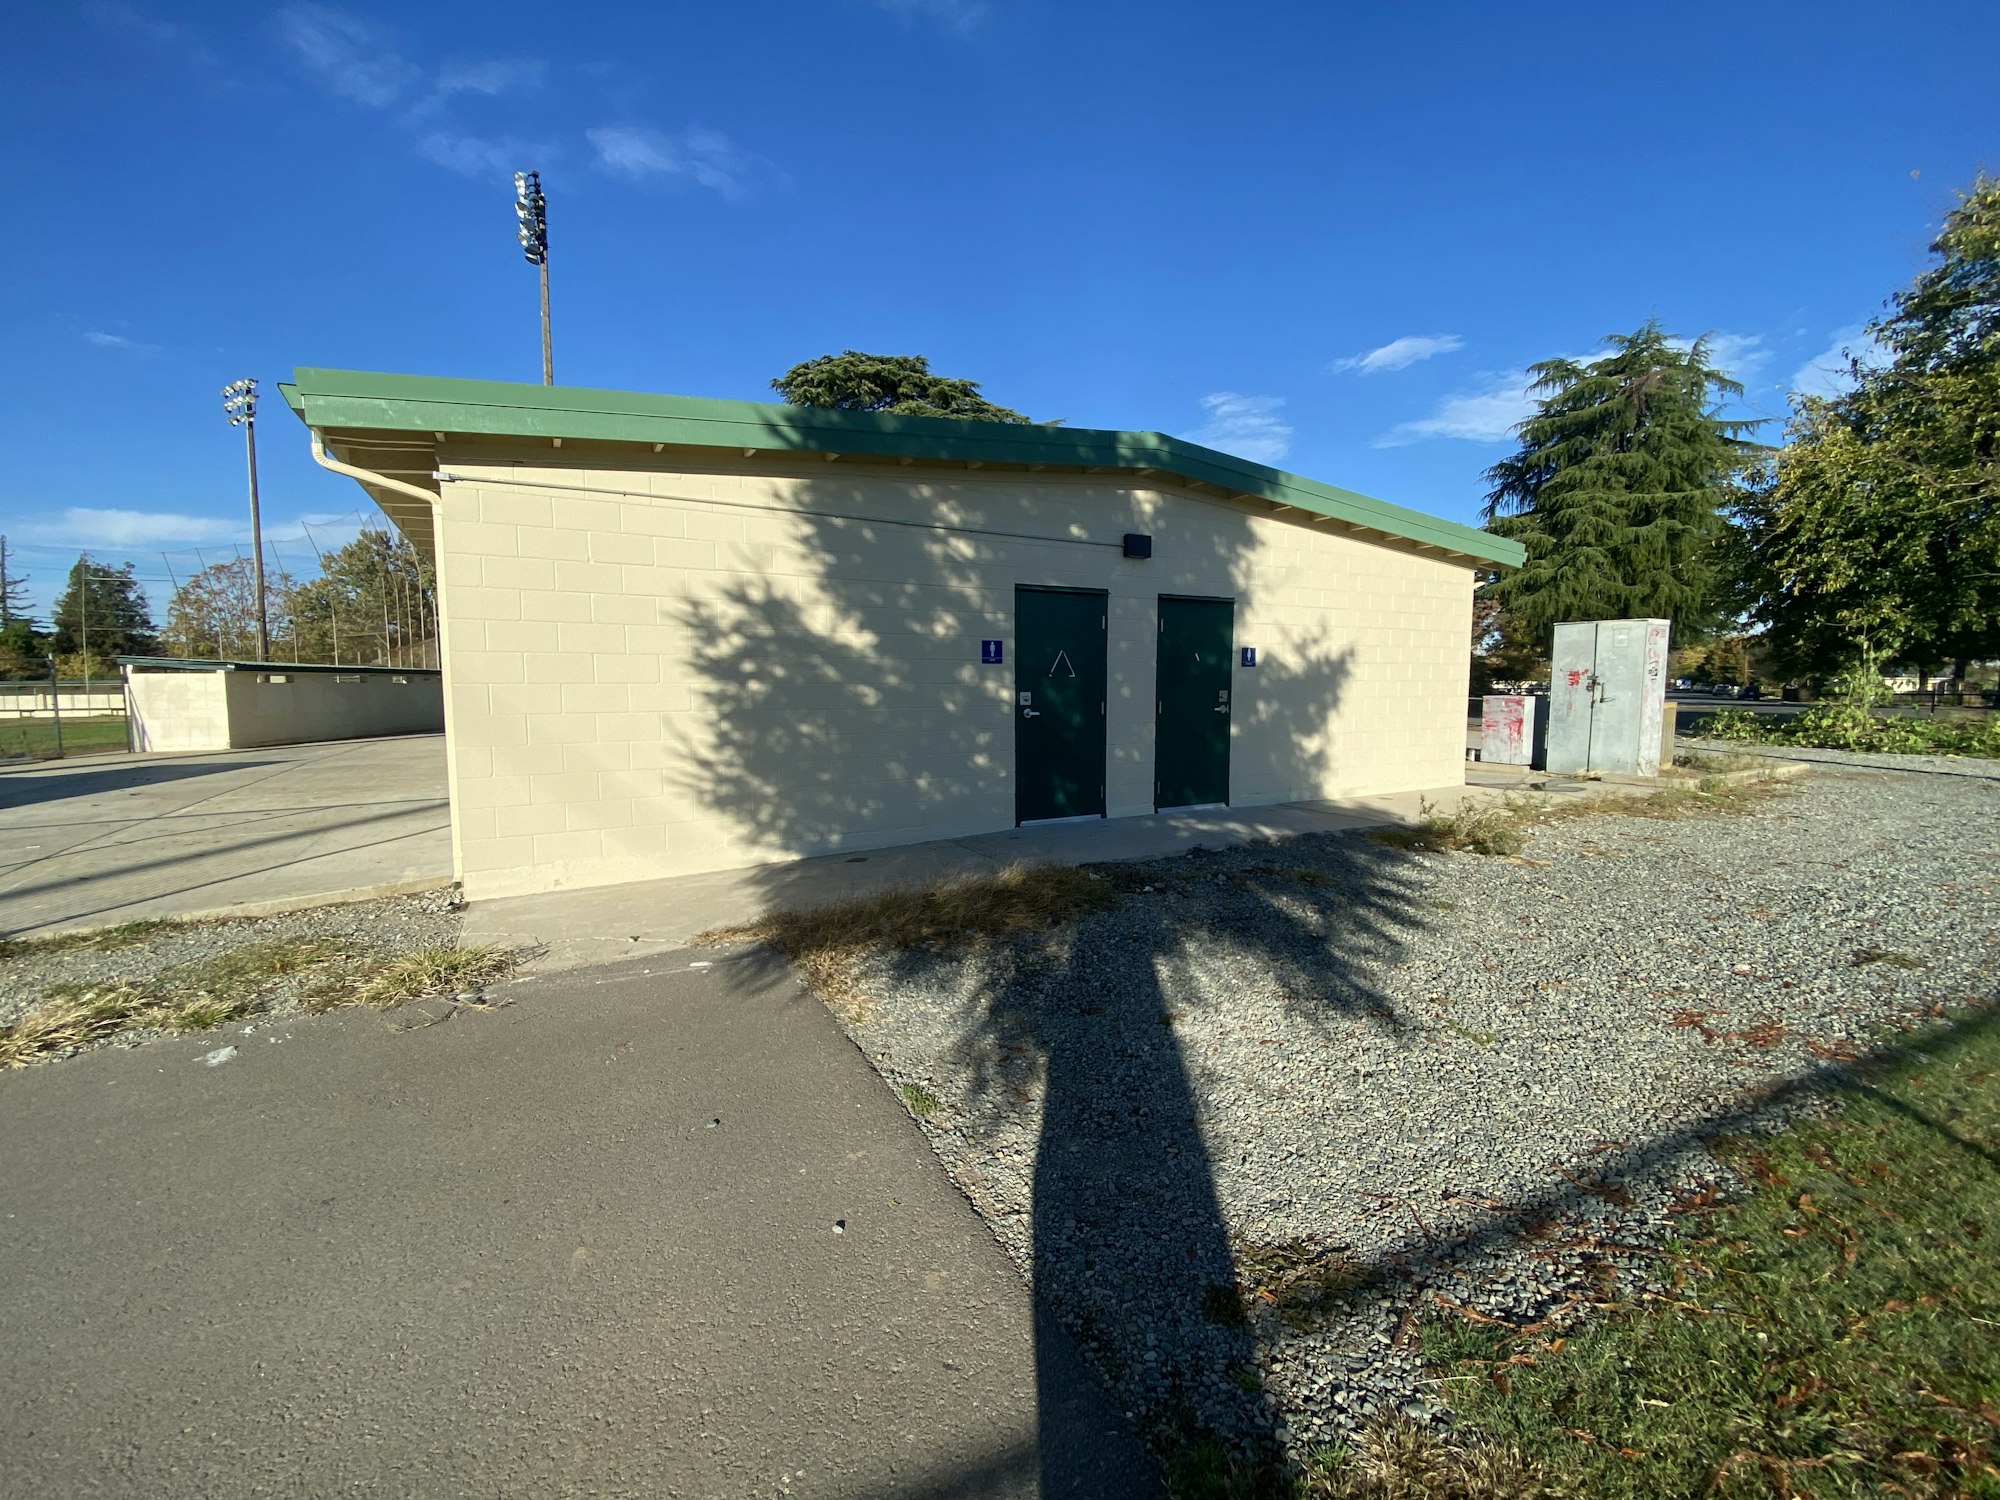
(239,400)
(532,209)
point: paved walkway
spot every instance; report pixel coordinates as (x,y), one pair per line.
(115,838)
(652,1231)
(604,923)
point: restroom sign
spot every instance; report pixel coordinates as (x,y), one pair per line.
(990,654)
(1249,656)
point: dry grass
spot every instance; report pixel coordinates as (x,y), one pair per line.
(1403,1462)
(419,975)
(1473,828)
(952,916)
(104,938)
(1502,827)
(1396,1461)
(241,982)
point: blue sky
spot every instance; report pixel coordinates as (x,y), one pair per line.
(1323,236)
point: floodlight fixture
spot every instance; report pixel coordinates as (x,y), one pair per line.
(239,402)
(532,210)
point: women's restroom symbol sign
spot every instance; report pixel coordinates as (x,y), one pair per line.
(990,654)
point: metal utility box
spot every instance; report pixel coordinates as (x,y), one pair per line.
(1510,729)
(1607,687)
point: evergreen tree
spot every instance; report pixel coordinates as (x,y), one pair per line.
(103,611)
(1620,487)
(13,589)
(1876,536)
(898,383)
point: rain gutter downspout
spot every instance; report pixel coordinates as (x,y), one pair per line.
(366,476)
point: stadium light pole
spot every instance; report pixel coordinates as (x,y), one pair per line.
(532,209)
(239,401)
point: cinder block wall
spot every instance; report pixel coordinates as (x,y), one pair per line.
(171,711)
(640,684)
(299,708)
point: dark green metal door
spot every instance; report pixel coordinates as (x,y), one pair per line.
(1191,730)
(1059,677)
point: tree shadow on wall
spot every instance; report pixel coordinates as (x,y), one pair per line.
(1070,1040)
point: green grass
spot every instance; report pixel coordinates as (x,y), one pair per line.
(37,737)
(919,1101)
(1836,1333)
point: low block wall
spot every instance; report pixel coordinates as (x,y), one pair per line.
(240,710)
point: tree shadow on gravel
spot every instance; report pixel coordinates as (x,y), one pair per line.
(1069,1038)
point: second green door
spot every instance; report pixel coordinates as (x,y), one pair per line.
(1059,679)
(1191,726)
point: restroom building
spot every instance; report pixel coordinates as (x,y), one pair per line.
(681,635)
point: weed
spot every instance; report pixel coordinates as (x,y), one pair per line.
(1474,827)
(105,938)
(416,975)
(1864,956)
(1466,1033)
(919,1102)
(1696,760)
(235,983)
(1301,1283)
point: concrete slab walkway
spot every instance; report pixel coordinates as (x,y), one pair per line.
(657,1230)
(116,838)
(606,923)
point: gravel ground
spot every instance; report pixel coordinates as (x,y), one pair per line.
(1241,1128)
(397,924)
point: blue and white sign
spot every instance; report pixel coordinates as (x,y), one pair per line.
(990,654)
(1249,656)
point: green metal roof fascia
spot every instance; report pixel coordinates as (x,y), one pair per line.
(357,399)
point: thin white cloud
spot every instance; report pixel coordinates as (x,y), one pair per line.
(1737,355)
(148,31)
(960,16)
(1399,354)
(705,157)
(119,341)
(350,56)
(1248,426)
(1826,374)
(492,78)
(482,156)
(83,526)
(1488,413)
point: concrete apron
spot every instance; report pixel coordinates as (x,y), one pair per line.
(602,924)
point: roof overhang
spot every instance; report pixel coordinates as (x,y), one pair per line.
(393,424)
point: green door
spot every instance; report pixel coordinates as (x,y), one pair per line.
(1059,676)
(1191,730)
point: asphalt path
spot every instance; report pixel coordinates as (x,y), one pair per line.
(655,1229)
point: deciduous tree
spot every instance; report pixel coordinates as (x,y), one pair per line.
(1876,536)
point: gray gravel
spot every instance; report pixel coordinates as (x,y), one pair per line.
(396,924)
(1346,1082)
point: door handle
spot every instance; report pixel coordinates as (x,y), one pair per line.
(1029,713)
(1221,708)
